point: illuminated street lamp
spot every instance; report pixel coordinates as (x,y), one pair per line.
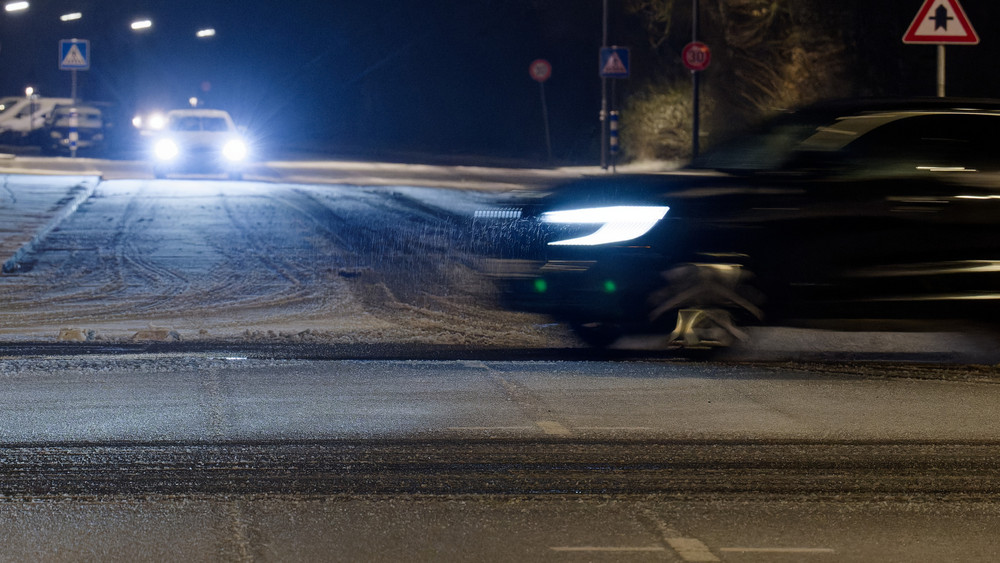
(140,25)
(70,17)
(16,6)
(205,33)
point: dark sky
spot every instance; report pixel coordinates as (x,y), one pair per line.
(447,76)
(430,75)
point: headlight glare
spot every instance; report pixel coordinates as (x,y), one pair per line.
(234,150)
(166,149)
(156,121)
(617,223)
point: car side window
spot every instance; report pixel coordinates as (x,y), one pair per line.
(927,142)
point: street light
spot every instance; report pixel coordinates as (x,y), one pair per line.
(141,24)
(205,33)
(16,6)
(70,17)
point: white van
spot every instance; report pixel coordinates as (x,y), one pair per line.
(20,116)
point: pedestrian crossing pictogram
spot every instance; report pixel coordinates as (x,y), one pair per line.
(74,54)
(74,57)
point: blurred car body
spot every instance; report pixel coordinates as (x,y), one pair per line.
(22,117)
(199,141)
(841,212)
(56,137)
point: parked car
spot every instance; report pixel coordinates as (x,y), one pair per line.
(199,141)
(24,117)
(845,214)
(57,136)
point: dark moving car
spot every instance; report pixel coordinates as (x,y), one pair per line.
(834,214)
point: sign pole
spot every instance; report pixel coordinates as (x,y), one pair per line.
(940,71)
(695,109)
(604,93)
(545,118)
(540,71)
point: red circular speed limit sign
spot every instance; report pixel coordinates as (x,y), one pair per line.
(540,70)
(696,55)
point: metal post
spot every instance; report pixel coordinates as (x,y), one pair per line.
(74,131)
(695,109)
(940,71)
(73,85)
(614,139)
(545,118)
(604,94)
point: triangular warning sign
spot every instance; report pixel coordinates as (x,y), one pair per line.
(941,22)
(614,65)
(74,57)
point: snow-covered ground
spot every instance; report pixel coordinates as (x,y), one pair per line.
(203,259)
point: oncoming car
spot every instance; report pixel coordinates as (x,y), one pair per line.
(199,141)
(846,214)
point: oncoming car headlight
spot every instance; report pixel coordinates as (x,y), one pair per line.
(166,149)
(617,223)
(234,150)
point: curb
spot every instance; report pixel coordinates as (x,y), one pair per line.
(79,193)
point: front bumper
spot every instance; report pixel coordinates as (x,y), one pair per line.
(578,290)
(200,159)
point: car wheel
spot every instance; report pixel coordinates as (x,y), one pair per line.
(598,335)
(706,304)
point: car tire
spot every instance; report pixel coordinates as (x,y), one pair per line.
(706,303)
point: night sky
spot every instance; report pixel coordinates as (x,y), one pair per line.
(440,76)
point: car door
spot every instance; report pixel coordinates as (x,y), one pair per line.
(906,227)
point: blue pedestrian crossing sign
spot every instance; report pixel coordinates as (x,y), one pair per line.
(614,62)
(74,54)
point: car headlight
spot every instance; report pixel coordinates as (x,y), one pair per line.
(156,121)
(234,150)
(166,149)
(617,223)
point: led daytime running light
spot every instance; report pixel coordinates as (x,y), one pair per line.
(618,223)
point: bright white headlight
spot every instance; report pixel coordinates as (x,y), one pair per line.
(166,149)
(617,223)
(234,150)
(156,121)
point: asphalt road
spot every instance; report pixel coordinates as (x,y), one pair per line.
(221,458)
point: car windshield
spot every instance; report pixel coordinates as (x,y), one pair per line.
(198,123)
(500,281)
